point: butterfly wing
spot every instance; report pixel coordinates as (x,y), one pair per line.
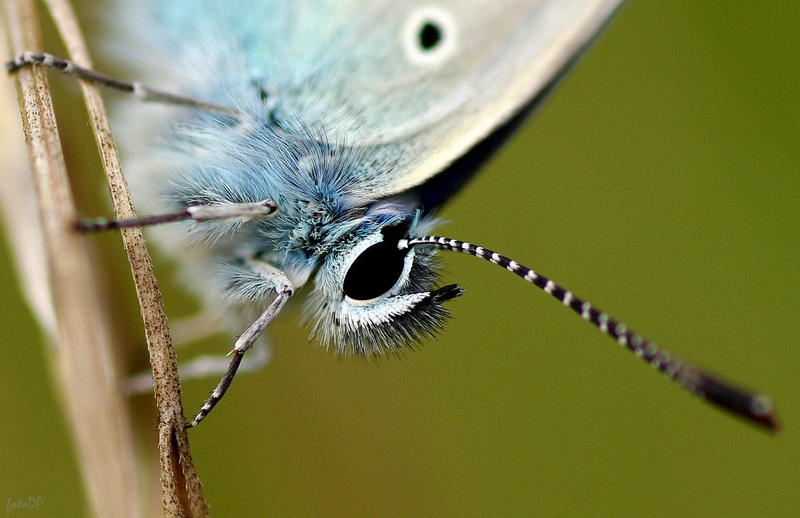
(427,107)
(415,84)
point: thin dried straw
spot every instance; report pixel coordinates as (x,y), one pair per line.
(96,410)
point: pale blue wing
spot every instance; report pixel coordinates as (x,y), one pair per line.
(356,69)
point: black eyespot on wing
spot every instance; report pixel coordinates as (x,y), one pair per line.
(430,35)
(374,271)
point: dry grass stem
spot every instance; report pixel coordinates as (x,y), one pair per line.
(97,414)
(96,409)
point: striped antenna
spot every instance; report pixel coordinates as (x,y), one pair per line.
(757,408)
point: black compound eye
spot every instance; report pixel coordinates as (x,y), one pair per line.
(375,271)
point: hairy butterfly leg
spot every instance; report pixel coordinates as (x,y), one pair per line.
(244,211)
(253,280)
(140,91)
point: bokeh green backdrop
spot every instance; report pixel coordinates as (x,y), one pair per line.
(661,182)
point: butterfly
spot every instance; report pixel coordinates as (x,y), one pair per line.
(320,139)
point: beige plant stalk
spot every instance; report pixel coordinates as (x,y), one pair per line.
(65,297)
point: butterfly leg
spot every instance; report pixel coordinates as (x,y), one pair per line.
(140,91)
(197,213)
(256,277)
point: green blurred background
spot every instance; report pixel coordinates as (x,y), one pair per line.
(661,182)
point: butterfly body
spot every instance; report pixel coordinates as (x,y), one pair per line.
(359,119)
(347,124)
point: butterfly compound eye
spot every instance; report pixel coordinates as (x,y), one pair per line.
(375,271)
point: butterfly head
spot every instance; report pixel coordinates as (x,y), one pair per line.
(373,293)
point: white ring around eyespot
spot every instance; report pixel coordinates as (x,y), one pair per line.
(410,35)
